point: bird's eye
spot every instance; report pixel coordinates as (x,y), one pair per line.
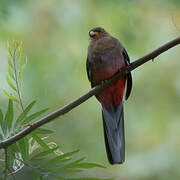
(92,33)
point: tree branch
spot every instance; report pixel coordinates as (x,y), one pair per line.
(6,163)
(65,109)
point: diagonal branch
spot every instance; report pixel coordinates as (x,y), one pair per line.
(92,92)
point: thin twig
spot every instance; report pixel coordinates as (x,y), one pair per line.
(89,94)
(6,163)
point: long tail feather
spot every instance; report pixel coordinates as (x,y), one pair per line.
(113,122)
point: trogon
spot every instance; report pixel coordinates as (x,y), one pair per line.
(106,56)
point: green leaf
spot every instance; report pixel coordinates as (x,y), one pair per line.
(14,147)
(12,150)
(88,165)
(9,62)
(24,113)
(10,159)
(22,70)
(34,145)
(11,73)
(45,153)
(71,170)
(9,50)
(1,117)
(10,96)
(35,115)
(72,164)
(10,83)
(24,148)
(59,158)
(20,56)
(1,125)
(14,43)
(9,115)
(43,131)
(39,141)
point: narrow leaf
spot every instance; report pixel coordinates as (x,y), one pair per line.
(14,43)
(24,113)
(59,158)
(9,115)
(20,78)
(20,56)
(9,62)
(13,148)
(11,73)
(10,96)
(39,141)
(35,115)
(22,70)
(65,160)
(43,131)
(45,153)
(1,117)
(34,145)
(1,125)
(9,50)
(88,165)
(1,134)
(24,148)
(10,83)
(71,170)
(73,164)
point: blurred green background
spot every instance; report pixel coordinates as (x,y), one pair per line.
(55,36)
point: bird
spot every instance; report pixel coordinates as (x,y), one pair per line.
(105,57)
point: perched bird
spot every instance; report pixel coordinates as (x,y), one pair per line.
(105,57)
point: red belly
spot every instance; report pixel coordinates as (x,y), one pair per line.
(113,94)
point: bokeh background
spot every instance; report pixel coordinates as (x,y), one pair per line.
(55,37)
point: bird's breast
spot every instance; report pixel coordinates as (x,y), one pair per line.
(103,44)
(105,66)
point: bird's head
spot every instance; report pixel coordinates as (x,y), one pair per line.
(97,33)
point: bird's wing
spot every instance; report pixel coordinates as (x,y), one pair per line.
(88,69)
(129,76)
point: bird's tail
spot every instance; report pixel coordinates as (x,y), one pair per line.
(113,122)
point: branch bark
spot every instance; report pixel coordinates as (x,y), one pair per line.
(65,109)
(6,163)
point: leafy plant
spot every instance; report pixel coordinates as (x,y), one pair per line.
(15,70)
(34,151)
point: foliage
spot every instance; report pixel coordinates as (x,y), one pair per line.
(15,70)
(34,151)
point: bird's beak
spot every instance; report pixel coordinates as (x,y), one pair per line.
(92,33)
